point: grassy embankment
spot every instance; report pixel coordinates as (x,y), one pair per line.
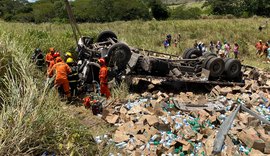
(33,119)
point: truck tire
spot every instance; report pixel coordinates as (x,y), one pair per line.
(192,53)
(232,68)
(103,36)
(119,54)
(206,60)
(207,54)
(216,66)
(185,52)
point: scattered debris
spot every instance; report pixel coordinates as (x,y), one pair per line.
(230,120)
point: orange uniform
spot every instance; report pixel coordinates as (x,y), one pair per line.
(62,70)
(103,78)
(49,58)
(50,66)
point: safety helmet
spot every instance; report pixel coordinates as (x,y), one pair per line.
(101,61)
(70,60)
(37,50)
(51,49)
(57,54)
(68,54)
(58,59)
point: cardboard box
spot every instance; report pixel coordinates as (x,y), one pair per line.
(252,141)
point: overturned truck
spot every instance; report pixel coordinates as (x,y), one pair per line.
(127,62)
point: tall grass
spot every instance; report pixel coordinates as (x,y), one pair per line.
(32,120)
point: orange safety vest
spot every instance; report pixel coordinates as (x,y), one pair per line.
(62,70)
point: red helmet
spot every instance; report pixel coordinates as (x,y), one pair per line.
(57,54)
(58,59)
(101,61)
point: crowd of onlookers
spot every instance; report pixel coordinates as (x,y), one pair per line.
(223,50)
(263,49)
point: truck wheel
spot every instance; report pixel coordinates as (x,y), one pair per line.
(216,66)
(103,36)
(206,60)
(232,68)
(207,54)
(193,53)
(185,53)
(118,55)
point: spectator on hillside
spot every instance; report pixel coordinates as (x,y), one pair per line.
(236,50)
(200,46)
(195,45)
(218,46)
(178,38)
(166,43)
(268,55)
(175,43)
(204,49)
(169,39)
(221,53)
(211,46)
(259,46)
(227,48)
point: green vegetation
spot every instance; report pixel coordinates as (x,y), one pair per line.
(33,119)
(240,8)
(126,10)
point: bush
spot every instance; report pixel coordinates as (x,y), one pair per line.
(181,12)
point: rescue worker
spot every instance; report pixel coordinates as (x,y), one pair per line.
(53,61)
(38,58)
(49,56)
(264,50)
(61,69)
(68,55)
(73,77)
(259,47)
(103,78)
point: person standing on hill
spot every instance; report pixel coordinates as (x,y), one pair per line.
(195,45)
(211,47)
(227,48)
(103,78)
(166,44)
(236,50)
(73,77)
(169,39)
(259,46)
(268,55)
(53,61)
(61,70)
(49,56)
(38,58)
(218,46)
